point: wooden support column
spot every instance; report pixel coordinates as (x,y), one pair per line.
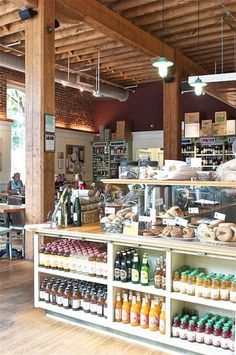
(172,113)
(40,99)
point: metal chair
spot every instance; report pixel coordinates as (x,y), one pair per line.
(6,238)
(17,222)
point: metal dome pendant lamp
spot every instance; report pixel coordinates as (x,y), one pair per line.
(162,63)
(198,83)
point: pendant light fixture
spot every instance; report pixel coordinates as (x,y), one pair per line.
(162,63)
(198,83)
(97,92)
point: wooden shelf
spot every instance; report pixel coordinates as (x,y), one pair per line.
(138,287)
(170,182)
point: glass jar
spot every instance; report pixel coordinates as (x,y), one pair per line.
(225,289)
(128,170)
(215,288)
(190,287)
(198,285)
(176,281)
(206,287)
(232,294)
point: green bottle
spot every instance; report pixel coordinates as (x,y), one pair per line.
(135,272)
(144,272)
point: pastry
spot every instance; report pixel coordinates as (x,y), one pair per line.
(224,234)
(166,231)
(176,232)
(215,223)
(188,233)
(206,232)
(233,228)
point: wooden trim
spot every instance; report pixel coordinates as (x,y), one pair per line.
(6,120)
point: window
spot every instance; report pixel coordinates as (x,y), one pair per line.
(16,112)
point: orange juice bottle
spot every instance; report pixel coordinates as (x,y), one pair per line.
(118,308)
(125,310)
(162,325)
(130,297)
(139,305)
(134,312)
(144,313)
(153,317)
(158,308)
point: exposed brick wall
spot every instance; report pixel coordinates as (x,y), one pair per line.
(74,109)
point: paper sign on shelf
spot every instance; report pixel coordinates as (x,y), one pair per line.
(193,210)
(220,216)
(110,210)
(145,219)
(135,209)
(181,221)
(131,229)
(168,222)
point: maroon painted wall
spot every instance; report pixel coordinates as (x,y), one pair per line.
(144,108)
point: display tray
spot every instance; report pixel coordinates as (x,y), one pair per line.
(181,239)
(217,242)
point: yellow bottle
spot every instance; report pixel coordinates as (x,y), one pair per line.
(158,309)
(118,308)
(162,325)
(153,317)
(125,310)
(134,313)
(130,297)
(144,313)
(139,305)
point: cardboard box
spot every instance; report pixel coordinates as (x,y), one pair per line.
(101,132)
(219,129)
(192,130)
(192,117)
(124,135)
(182,129)
(220,117)
(123,126)
(113,136)
(107,134)
(206,132)
(230,127)
(206,124)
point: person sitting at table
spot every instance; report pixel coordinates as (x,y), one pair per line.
(15,185)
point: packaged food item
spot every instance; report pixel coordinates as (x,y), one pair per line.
(162,323)
(216,337)
(128,170)
(206,287)
(153,317)
(125,310)
(144,313)
(232,295)
(118,308)
(208,332)
(176,281)
(175,326)
(215,288)
(191,331)
(200,331)
(183,328)
(147,169)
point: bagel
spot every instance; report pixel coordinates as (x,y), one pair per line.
(233,239)
(215,223)
(224,234)
(227,224)
(205,232)
(176,232)
(166,231)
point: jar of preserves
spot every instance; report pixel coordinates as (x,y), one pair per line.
(60,294)
(216,336)
(232,294)
(67,298)
(47,256)
(66,263)
(41,256)
(198,285)
(92,265)
(206,287)
(190,287)
(60,260)
(42,290)
(72,261)
(208,333)
(225,289)
(53,294)
(99,266)
(183,328)
(191,331)
(225,337)
(232,339)
(93,303)
(175,326)
(176,281)
(86,302)
(183,282)
(215,288)
(200,331)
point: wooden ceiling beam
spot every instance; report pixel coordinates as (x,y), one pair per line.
(81,37)
(205,48)
(9,18)
(12,28)
(19,4)
(122,5)
(85,44)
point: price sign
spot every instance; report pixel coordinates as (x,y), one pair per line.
(193,210)
(145,219)
(159,202)
(169,222)
(181,221)
(135,209)
(220,216)
(110,210)
(131,229)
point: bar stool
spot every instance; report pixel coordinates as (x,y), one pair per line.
(6,238)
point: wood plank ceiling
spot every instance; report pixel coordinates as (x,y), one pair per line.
(123,65)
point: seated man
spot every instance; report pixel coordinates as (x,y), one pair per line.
(15,185)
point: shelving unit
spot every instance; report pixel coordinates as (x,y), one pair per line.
(176,254)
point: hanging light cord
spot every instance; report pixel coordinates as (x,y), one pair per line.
(222,43)
(163,27)
(198,27)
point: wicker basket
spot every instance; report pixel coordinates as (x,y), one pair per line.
(90,216)
(111,227)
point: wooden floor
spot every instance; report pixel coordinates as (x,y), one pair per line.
(25,330)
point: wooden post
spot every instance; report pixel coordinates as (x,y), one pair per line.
(172,113)
(40,99)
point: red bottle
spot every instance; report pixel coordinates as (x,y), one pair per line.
(175,327)
(183,328)
(208,333)
(225,337)
(200,331)
(216,337)
(191,332)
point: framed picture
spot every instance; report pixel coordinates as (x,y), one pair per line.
(49,123)
(49,143)
(75,159)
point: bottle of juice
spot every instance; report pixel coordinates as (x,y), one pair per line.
(130,297)
(206,287)
(198,285)
(153,317)
(118,308)
(183,281)
(215,288)
(144,279)
(232,294)
(216,337)
(158,308)
(225,337)
(134,321)
(200,331)
(225,289)
(176,281)
(158,274)
(183,328)
(175,326)
(162,323)
(190,287)
(144,313)
(135,271)
(191,331)
(208,332)
(125,310)
(139,305)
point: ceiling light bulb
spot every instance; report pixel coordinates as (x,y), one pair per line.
(198,86)
(162,64)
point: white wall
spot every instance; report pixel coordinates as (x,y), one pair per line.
(66,137)
(5,134)
(146,139)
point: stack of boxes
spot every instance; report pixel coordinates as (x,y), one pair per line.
(221,126)
(123,131)
(104,134)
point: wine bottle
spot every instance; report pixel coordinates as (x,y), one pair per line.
(77,211)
